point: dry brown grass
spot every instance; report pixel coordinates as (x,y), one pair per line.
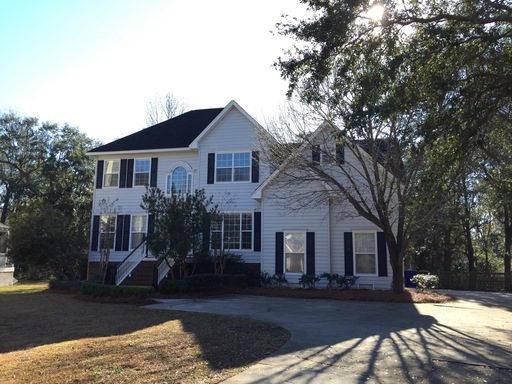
(53,338)
(408,296)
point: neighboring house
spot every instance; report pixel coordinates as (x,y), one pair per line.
(218,150)
(6,267)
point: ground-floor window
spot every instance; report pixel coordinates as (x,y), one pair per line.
(365,253)
(138,230)
(233,231)
(294,252)
(107,231)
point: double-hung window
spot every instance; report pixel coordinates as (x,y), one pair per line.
(138,230)
(107,231)
(179,180)
(233,166)
(233,231)
(365,253)
(111,173)
(294,252)
(141,172)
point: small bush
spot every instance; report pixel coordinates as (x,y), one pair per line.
(346,282)
(279,280)
(102,290)
(424,282)
(203,282)
(309,281)
(266,279)
(65,285)
(332,279)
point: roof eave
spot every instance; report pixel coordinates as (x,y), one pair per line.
(137,151)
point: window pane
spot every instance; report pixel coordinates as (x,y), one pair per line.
(232,231)
(141,179)
(179,180)
(110,180)
(137,238)
(142,165)
(295,262)
(246,221)
(139,223)
(107,223)
(242,159)
(242,174)
(223,174)
(107,240)
(294,243)
(112,166)
(247,240)
(189,183)
(224,160)
(364,242)
(365,263)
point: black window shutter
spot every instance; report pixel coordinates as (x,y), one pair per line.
(129,173)
(279,252)
(255,167)
(315,153)
(340,153)
(154,171)
(151,224)
(211,168)
(206,239)
(310,253)
(119,232)
(99,174)
(257,231)
(126,233)
(349,254)
(382,254)
(122,174)
(95,232)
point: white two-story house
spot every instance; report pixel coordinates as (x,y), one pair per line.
(218,150)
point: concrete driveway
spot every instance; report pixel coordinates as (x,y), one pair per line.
(468,340)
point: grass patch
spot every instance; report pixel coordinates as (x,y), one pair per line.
(49,337)
(408,296)
(24,288)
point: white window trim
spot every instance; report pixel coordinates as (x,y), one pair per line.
(115,233)
(284,253)
(134,173)
(240,230)
(354,253)
(105,173)
(190,174)
(233,167)
(131,223)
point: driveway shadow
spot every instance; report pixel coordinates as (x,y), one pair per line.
(362,341)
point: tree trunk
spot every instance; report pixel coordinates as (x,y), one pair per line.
(508,246)
(470,251)
(447,254)
(6,206)
(396,259)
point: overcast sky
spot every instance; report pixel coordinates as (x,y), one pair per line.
(95,63)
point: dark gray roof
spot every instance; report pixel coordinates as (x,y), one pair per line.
(177,132)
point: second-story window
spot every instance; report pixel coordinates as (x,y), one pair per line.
(111,173)
(180,180)
(233,166)
(141,174)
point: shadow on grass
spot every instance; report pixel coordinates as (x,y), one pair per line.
(29,320)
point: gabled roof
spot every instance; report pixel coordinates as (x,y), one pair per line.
(178,132)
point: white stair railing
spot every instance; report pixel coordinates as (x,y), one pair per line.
(131,261)
(163,270)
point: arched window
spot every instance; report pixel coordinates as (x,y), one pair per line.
(180,179)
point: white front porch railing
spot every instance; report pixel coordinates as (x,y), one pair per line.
(126,267)
(163,270)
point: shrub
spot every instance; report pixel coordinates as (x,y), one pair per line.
(65,285)
(332,279)
(425,281)
(346,282)
(266,279)
(204,282)
(279,280)
(102,290)
(309,281)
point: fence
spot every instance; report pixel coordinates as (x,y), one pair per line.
(480,281)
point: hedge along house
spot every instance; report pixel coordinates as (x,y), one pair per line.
(219,150)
